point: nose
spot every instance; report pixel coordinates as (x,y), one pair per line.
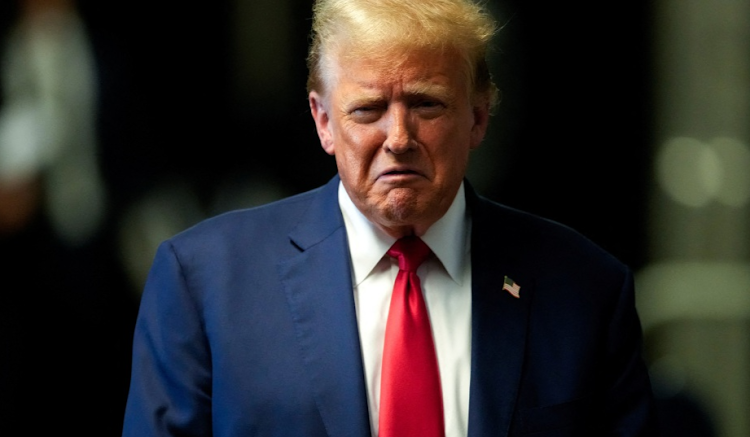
(398,131)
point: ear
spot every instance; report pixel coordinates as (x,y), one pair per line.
(481,112)
(322,121)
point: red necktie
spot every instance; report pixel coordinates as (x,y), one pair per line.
(411,402)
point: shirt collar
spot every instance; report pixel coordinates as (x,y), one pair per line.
(448,238)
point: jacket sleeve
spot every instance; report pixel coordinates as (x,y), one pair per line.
(170,387)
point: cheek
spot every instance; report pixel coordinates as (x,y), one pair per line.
(451,157)
(447,138)
(360,145)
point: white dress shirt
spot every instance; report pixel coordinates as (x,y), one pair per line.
(446,285)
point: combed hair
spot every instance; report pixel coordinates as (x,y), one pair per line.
(386,28)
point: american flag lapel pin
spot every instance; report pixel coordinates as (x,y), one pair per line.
(511,287)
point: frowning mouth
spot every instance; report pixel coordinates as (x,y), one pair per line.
(400,169)
(400,175)
(400,172)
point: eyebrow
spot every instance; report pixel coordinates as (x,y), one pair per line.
(429,90)
(357,102)
(418,89)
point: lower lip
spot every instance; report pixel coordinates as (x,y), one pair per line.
(399,177)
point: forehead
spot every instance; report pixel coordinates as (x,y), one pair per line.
(416,71)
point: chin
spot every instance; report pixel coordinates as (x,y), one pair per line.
(402,207)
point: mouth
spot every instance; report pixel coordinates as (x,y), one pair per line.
(400,172)
(400,175)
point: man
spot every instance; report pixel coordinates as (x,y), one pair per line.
(279,320)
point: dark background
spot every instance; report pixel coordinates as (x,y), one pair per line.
(571,134)
(569,141)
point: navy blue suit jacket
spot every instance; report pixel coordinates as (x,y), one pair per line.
(247,327)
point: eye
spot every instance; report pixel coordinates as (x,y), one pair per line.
(428,104)
(429,108)
(366,114)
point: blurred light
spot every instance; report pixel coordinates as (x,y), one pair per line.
(47,120)
(76,199)
(694,173)
(735,160)
(693,290)
(689,171)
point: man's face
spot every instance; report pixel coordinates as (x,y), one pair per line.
(401,134)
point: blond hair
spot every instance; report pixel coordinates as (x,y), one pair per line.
(386,28)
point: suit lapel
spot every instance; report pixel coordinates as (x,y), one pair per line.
(499,322)
(318,285)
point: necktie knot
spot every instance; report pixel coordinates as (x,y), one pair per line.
(411,253)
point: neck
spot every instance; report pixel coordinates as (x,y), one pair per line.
(403,231)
